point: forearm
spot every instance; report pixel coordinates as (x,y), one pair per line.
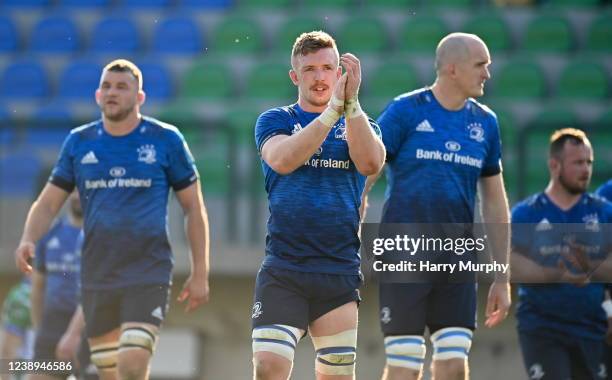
(525,270)
(198,235)
(496,217)
(38,221)
(365,148)
(37,301)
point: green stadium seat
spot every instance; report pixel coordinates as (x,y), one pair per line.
(555,117)
(599,36)
(257,4)
(421,34)
(237,34)
(331,3)
(205,80)
(391,79)
(605,118)
(493,30)
(583,80)
(180,114)
(378,4)
(520,79)
(292,28)
(363,34)
(575,3)
(212,161)
(548,34)
(269,81)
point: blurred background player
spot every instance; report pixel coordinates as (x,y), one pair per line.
(426,190)
(315,160)
(605,191)
(55,287)
(16,338)
(561,326)
(123,166)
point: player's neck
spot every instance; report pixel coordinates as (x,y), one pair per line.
(561,197)
(448,96)
(309,107)
(123,127)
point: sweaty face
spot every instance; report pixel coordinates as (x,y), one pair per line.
(316,75)
(117,96)
(576,168)
(473,72)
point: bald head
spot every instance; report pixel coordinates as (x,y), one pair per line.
(455,48)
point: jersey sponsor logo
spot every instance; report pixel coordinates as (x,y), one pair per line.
(257,310)
(424,126)
(319,151)
(158,313)
(296,128)
(536,372)
(89,158)
(476,132)
(146,154)
(117,183)
(385,315)
(453,146)
(543,225)
(436,155)
(328,163)
(54,243)
(117,171)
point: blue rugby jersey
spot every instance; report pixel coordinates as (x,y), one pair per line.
(314,211)
(123,182)
(605,190)
(561,308)
(435,158)
(58,258)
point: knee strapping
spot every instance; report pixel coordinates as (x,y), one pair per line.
(137,337)
(406,351)
(451,343)
(104,356)
(278,339)
(336,353)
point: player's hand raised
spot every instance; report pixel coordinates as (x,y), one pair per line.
(339,92)
(24,255)
(195,292)
(353,71)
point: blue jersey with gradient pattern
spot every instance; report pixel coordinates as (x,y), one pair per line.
(560,308)
(605,190)
(435,158)
(58,257)
(123,182)
(314,211)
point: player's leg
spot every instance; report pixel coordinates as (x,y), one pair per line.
(53,325)
(143,308)
(332,317)
(102,328)
(279,319)
(586,357)
(451,318)
(545,357)
(402,317)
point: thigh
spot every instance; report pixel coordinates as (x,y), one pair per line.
(144,304)
(53,325)
(403,308)
(101,309)
(339,319)
(586,359)
(279,300)
(452,305)
(545,358)
(328,292)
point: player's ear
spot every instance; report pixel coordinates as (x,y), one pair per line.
(293,76)
(141,97)
(553,166)
(98,96)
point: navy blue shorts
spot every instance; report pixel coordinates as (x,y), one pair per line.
(106,310)
(557,356)
(298,298)
(607,361)
(406,309)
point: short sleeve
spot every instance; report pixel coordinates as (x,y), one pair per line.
(492,165)
(605,191)
(181,169)
(62,175)
(392,129)
(273,122)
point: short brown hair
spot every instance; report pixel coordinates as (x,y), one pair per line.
(560,136)
(312,42)
(125,66)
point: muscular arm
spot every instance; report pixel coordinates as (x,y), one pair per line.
(40,216)
(495,212)
(369,184)
(196,287)
(37,297)
(365,148)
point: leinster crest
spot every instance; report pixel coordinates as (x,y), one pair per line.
(146,154)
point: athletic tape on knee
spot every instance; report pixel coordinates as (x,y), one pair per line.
(336,353)
(137,337)
(406,351)
(104,356)
(278,339)
(607,306)
(451,343)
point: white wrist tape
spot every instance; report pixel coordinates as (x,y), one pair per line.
(329,117)
(352,109)
(607,306)
(336,102)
